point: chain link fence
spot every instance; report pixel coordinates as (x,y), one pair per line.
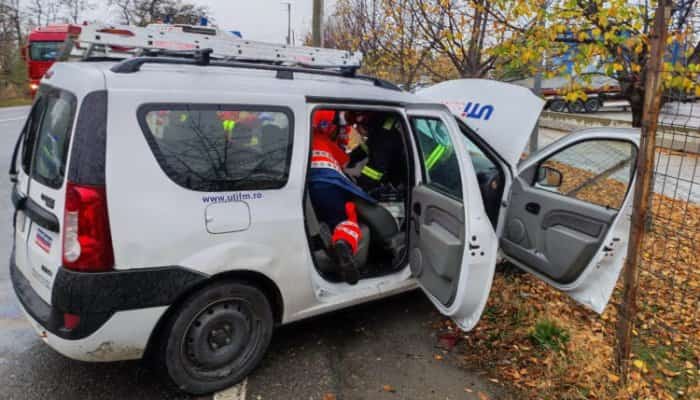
(659,328)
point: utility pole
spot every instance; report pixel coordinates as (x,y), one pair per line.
(289,22)
(316,24)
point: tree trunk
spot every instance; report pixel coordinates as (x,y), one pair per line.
(634,93)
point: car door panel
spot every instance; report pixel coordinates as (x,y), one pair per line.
(560,238)
(438,230)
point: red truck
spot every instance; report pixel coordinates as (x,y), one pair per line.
(44,44)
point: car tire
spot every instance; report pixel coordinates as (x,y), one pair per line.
(593,105)
(216,337)
(558,105)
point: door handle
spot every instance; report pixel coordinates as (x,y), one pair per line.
(532,208)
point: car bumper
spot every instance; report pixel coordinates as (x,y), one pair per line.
(117,310)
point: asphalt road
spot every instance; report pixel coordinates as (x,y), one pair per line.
(352,354)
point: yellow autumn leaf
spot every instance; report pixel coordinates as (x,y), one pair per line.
(640,365)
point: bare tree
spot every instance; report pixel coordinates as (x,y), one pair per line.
(144,12)
(74,9)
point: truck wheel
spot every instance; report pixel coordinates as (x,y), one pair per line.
(577,107)
(593,104)
(558,105)
(216,337)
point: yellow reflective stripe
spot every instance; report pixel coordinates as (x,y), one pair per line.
(372,173)
(435,156)
(228,125)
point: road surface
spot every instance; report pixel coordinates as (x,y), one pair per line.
(352,354)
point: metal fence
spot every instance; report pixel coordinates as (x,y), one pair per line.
(659,322)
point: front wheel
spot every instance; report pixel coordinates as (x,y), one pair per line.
(216,337)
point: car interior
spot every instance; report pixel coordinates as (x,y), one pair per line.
(384,226)
(382,247)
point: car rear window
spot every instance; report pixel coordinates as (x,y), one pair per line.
(48,135)
(219,148)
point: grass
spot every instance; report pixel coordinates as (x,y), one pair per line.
(18,101)
(548,335)
(665,363)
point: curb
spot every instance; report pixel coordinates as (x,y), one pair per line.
(669,137)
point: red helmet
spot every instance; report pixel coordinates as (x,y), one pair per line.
(323,122)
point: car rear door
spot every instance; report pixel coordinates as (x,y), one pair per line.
(19,174)
(568,217)
(451,242)
(45,156)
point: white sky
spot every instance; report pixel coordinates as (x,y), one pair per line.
(264,20)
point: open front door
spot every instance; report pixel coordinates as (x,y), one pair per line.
(569,213)
(452,244)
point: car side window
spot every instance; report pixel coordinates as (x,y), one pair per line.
(29,134)
(219,148)
(52,138)
(440,163)
(595,171)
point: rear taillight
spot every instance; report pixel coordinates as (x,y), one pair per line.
(87,242)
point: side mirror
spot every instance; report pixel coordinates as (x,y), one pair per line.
(549,177)
(23,52)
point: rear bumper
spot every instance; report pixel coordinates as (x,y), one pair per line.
(96,297)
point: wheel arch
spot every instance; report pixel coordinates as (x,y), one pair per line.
(253,278)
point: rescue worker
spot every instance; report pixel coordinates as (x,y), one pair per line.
(332,193)
(383,151)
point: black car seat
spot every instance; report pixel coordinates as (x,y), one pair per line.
(386,235)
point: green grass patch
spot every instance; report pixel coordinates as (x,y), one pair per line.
(548,335)
(667,364)
(18,101)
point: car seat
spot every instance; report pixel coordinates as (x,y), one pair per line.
(386,236)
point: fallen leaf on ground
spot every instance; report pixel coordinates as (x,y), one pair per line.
(483,396)
(388,388)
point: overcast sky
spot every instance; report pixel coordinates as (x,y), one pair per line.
(264,20)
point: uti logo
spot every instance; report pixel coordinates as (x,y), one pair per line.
(477,111)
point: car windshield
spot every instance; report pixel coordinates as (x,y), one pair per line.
(44,51)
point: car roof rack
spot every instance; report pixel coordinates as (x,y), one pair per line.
(125,41)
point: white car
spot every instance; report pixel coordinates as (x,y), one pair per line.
(145,221)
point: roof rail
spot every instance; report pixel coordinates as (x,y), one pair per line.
(202,57)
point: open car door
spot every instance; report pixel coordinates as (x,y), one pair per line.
(568,217)
(568,209)
(452,245)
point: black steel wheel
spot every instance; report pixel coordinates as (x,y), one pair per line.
(558,105)
(216,337)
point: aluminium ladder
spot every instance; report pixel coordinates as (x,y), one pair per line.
(123,41)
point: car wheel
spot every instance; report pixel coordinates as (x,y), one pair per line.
(593,105)
(558,105)
(216,337)
(577,107)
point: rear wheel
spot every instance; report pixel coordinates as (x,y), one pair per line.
(593,104)
(216,337)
